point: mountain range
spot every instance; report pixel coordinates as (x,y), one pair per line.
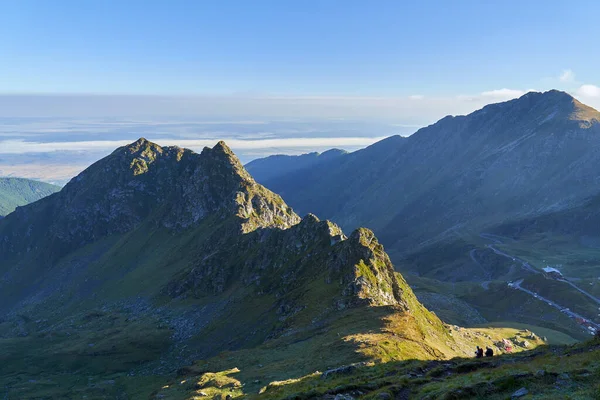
(15,192)
(157,258)
(508,161)
(280,165)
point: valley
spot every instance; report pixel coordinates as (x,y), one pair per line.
(548,295)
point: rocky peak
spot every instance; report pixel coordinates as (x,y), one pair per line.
(551,112)
(551,107)
(140,145)
(167,186)
(373,280)
(221,163)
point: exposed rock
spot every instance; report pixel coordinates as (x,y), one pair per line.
(343,397)
(343,370)
(520,393)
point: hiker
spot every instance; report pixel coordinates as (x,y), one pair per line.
(489,352)
(479,352)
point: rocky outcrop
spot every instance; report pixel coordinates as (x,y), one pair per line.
(277,262)
(372,280)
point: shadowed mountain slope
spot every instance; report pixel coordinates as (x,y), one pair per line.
(279,165)
(509,160)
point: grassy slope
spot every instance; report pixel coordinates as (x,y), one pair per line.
(102,350)
(16,192)
(568,253)
(571,372)
(374,336)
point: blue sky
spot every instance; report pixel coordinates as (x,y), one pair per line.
(81,77)
(298,48)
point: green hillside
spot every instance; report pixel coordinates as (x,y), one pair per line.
(571,372)
(15,192)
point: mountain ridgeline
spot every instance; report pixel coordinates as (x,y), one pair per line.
(525,157)
(280,165)
(154,257)
(15,192)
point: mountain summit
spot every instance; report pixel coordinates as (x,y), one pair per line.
(553,108)
(143,182)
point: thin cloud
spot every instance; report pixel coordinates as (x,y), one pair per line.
(491,96)
(567,76)
(503,93)
(399,109)
(20,147)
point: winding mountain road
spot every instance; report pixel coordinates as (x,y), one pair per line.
(486,273)
(517,285)
(527,267)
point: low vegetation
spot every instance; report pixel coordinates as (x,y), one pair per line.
(15,192)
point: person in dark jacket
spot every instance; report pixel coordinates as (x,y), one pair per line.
(489,352)
(479,352)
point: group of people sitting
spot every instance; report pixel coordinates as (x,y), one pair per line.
(488,352)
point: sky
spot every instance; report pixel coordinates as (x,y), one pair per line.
(385,63)
(350,48)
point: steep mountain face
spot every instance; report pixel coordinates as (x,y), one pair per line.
(272,167)
(509,160)
(154,257)
(15,192)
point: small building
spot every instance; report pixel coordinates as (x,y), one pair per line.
(553,272)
